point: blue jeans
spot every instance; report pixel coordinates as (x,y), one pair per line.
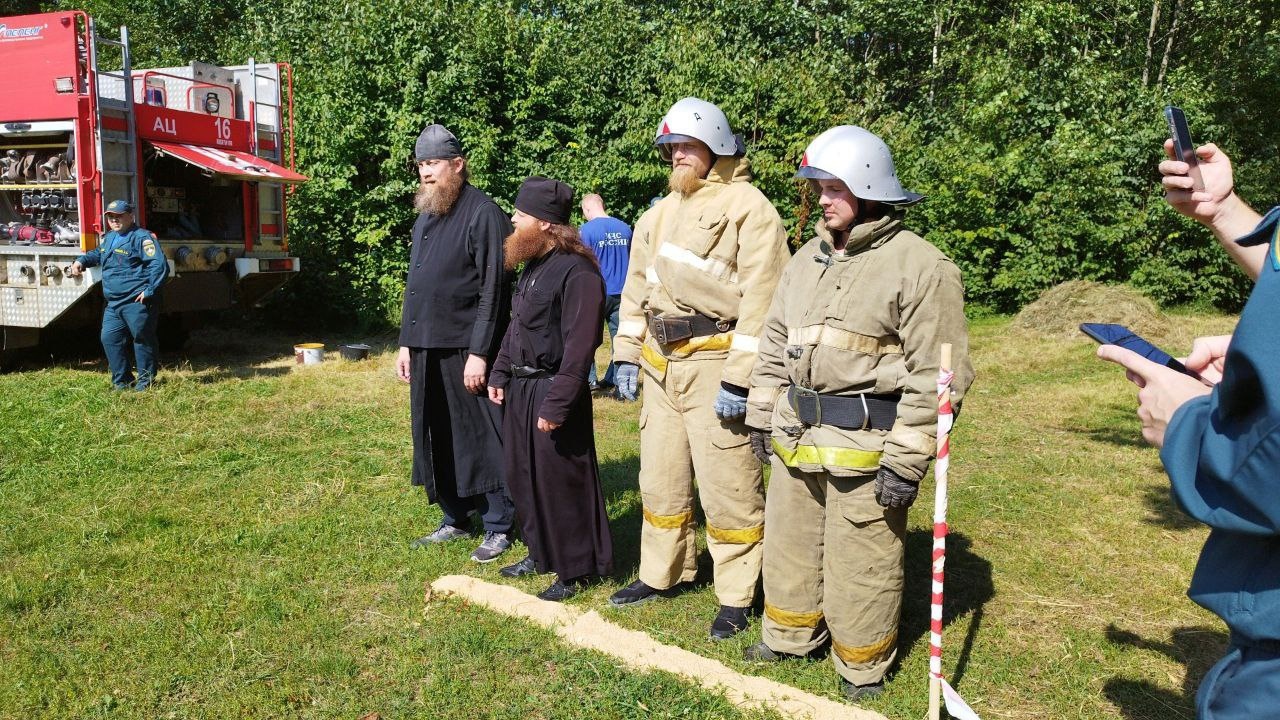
(611,305)
(131,324)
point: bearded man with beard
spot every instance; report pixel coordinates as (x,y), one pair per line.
(704,263)
(540,377)
(456,301)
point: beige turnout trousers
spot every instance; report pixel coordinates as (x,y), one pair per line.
(833,568)
(682,439)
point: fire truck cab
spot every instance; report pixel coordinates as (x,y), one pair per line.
(205,153)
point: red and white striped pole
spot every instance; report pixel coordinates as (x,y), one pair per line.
(945,417)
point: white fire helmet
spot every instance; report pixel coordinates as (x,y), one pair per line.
(861,160)
(694,119)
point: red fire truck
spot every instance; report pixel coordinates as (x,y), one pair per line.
(204,152)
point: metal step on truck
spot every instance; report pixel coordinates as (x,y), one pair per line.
(205,153)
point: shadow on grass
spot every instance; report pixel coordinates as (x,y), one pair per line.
(968,588)
(619,478)
(1164,511)
(217,354)
(1196,647)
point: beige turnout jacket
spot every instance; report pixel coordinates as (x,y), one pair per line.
(718,252)
(869,320)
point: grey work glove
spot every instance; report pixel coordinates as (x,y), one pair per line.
(626,376)
(731,403)
(893,490)
(761,445)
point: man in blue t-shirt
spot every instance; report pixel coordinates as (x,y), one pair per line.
(610,239)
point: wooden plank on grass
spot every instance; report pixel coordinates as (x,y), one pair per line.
(638,651)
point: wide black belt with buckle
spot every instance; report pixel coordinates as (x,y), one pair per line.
(667,330)
(863,411)
(528,371)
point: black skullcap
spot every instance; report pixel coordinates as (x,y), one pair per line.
(545,199)
(436,143)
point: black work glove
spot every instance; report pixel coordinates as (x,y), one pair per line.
(893,490)
(761,446)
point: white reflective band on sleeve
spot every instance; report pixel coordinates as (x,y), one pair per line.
(745,343)
(651,275)
(711,266)
(843,340)
(631,328)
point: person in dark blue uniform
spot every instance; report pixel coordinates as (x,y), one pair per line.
(1220,444)
(133,268)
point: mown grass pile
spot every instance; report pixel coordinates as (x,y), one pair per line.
(235,543)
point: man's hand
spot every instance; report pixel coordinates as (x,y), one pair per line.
(761,446)
(547,426)
(626,375)
(1207,357)
(1163,390)
(76,269)
(497,395)
(473,374)
(142,297)
(730,405)
(402,364)
(1208,205)
(893,490)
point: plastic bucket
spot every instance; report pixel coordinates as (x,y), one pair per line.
(308,353)
(357,351)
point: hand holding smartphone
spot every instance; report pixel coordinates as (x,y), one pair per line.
(1111,334)
(1183,148)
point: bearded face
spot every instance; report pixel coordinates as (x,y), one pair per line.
(690,162)
(525,243)
(439,184)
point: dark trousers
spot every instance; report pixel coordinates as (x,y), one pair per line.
(495,509)
(612,303)
(131,325)
(1243,685)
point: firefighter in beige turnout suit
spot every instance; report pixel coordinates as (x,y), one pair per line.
(843,396)
(704,263)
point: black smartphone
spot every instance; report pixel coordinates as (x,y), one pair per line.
(1183,149)
(1112,334)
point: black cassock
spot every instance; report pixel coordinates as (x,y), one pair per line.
(556,319)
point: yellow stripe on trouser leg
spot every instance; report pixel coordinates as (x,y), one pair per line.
(740,537)
(668,547)
(668,522)
(787,618)
(862,570)
(876,652)
(794,513)
(730,482)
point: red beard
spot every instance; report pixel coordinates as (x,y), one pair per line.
(523,245)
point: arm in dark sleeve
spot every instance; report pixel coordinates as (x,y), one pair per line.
(582,314)
(91,258)
(157,265)
(1223,470)
(500,372)
(488,230)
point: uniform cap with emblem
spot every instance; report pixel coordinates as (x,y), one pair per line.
(118,207)
(435,142)
(546,199)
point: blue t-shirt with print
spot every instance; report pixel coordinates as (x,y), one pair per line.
(610,239)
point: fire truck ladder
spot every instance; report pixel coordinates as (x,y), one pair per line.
(118,166)
(274,131)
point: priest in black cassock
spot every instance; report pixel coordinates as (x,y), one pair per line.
(540,376)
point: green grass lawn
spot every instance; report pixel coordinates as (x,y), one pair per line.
(235,543)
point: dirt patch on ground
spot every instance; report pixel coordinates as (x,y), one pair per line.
(641,652)
(1061,309)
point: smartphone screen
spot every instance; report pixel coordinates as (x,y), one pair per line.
(1183,149)
(1111,334)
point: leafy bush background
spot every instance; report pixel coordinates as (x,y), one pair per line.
(1034,127)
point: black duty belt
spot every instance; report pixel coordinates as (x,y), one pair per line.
(863,411)
(528,371)
(667,330)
